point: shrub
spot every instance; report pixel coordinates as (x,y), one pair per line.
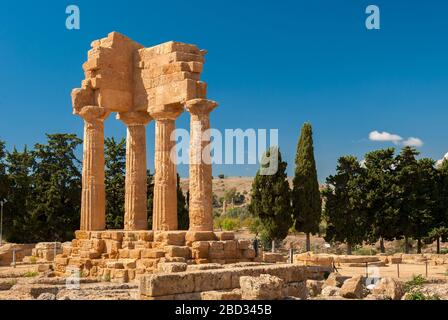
(361,251)
(416,283)
(31,274)
(230,224)
(418,295)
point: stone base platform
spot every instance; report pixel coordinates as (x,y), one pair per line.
(123,256)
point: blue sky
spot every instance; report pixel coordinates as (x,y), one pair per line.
(271,64)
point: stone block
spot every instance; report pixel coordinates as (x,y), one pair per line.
(170,267)
(135,253)
(249,253)
(222,295)
(264,287)
(244,244)
(82,235)
(199,249)
(175,238)
(216,245)
(116,235)
(178,251)
(230,245)
(193,236)
(123,253)
(167,284)
(152,253)
(225,235)
(295,289)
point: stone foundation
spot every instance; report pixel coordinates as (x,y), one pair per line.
(123,256)
(223,283)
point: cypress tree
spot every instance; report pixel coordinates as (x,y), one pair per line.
(306,198)
(271,197)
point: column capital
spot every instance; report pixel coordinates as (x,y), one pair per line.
(166,112)
(134,118)
(93,113)
(200,106)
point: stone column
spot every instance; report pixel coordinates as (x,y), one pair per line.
(93,198)
(200,204)
(135,204)
(165,178)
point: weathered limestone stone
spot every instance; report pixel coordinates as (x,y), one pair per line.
(93,199)
(222,295)
(330,291)
(192,236)
(389,287)
(311,259)
(178,251)
(314,287)
(200,204)
(170,267)
(264,287)
(335,280)
(295,289)
(135,217)
(165,179)
(353,288)
(175,238)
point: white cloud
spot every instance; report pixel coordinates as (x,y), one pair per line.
(413,142)
(439,162)
(395,139)
(384,136)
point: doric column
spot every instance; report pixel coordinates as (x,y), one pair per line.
(165,178)
(135,204)
(93,199)
(200,204)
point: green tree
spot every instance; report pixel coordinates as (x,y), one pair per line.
(271,196)
(56,188)
(345,208)
(115,159)
(306,198)
(183,219)
(439,230)
(3,176)
(381,195)
(18,220)
(413,183)
(427,201)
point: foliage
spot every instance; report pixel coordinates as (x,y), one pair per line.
(56,192)
(345,209)
(115,159)
(271,197)
(306,198)
(183,218)
(381,190)
(417,282)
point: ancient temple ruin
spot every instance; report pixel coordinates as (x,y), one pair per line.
(144,84)
(141,85)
